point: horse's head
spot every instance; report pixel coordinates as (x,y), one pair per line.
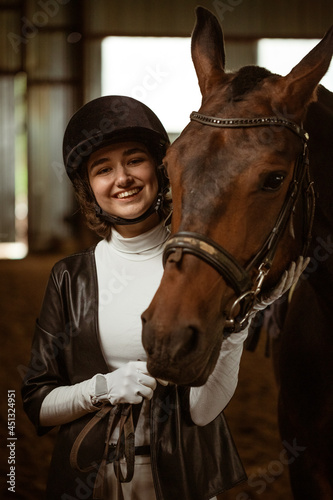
(234,183)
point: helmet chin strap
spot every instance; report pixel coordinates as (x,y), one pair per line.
(126,222)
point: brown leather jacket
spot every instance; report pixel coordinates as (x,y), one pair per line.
(188,461)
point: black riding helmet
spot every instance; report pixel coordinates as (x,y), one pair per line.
(108,120)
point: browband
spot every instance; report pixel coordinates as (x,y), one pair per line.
(249,122)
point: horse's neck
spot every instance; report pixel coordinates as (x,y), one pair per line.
(319,124)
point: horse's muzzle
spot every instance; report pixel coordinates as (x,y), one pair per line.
(180,357)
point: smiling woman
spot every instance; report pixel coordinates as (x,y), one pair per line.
(110,121)
(124,182)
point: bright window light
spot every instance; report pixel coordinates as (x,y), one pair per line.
(281,55)
(157,71)
(18,248)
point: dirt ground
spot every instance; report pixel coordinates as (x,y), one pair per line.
(251,413)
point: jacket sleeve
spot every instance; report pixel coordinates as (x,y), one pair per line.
(46,369)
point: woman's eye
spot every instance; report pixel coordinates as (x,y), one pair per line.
(273,181)
(104,170)
(135,161)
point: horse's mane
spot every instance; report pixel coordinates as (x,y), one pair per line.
(246,79)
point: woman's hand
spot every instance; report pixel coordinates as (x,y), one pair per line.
(130,383)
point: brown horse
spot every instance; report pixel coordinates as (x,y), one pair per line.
(243,205)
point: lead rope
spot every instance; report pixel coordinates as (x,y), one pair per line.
(125,447)
(73,457)
(98,492)
(121,414)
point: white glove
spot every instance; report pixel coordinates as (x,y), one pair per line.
(288,279)
(130,383)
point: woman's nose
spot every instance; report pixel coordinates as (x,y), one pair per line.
(123,176)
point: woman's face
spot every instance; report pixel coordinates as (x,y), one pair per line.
(123,179)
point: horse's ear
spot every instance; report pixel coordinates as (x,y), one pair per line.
(299,85)
(207,49)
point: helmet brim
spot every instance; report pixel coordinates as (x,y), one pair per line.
(78,156)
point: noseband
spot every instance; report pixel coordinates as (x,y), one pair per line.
(236,276)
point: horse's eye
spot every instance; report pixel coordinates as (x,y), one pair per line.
(273,181)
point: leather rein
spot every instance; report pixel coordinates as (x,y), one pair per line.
(236,276)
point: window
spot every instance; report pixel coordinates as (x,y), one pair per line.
(14,174)
(157,71)
(281,55)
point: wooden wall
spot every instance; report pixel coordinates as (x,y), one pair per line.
(240,18)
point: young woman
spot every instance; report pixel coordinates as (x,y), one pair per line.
(87,352)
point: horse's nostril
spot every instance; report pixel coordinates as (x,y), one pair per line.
(176,344)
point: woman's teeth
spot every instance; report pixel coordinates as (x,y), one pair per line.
(125,194)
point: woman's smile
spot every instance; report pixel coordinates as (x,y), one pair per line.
(128,194)
(123,179)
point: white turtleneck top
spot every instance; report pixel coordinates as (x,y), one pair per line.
(129,271)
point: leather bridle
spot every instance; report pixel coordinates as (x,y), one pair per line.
(236,276)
